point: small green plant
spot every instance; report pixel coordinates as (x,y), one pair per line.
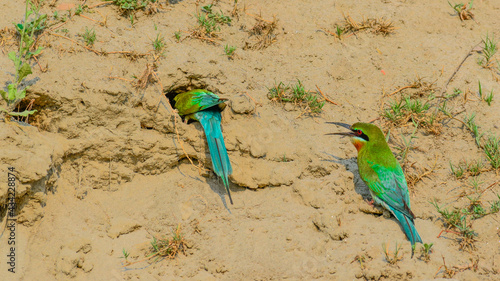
(15,92)
(131,18)
(379,26)
(158,43)
(487,98)
(407,145)
(130,5)
(395,111)
(416,107)
(456,92)
(154,245)
(495,206)
(490,145)
(489,50)
(472,126)
(476,167)
(392,258)
(79,10)
(492,151)
(229,51)
(284,159)
(89,36)
(425,252)
(209,22)
(210,26)
(177,35)
(474,182)
(361,259)
(459,219)
(308,101)
(169,248)
(476,209)
(445,109)
(125,254)
(465,168)
(463,11)
(458,171)
(339,31)
(217,17)
(467,233)
(480,89)
(451,218)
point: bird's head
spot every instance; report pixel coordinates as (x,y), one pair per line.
(361,134)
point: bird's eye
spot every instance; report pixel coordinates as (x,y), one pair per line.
(358,132)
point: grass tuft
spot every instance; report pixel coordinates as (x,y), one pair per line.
(425,252)
(392,257)
(465,168)
(489,50)
(209,23)
(158,43)
(459,222)
(168,247)
(89,36)
(229,51)
(414,105)
(307,101)
(492,150)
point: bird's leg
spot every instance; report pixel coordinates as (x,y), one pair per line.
(370,202)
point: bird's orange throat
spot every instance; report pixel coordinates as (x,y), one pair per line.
(358,143)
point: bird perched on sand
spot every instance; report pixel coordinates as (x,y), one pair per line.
(205,107)
(380,170)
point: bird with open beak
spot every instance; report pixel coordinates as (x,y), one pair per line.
(383,174)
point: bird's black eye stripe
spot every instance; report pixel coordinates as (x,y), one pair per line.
(360,134)
(365,137)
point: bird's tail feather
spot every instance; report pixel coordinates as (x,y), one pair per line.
(409,229)
(210,120)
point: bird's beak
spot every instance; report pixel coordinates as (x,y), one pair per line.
(347,126)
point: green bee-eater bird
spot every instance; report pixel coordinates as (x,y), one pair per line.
(205,107)
(380,170)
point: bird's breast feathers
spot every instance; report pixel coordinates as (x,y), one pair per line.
(358,143)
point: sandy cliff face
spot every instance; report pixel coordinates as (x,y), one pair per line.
(105,165)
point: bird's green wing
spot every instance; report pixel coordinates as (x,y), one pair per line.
(391,188)
(197,100)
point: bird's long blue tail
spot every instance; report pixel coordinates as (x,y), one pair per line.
(409,229)
(211,122)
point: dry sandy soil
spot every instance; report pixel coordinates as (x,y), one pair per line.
(103,167)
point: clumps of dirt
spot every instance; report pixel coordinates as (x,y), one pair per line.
(417,174)
(149,75)
(378,26)
(463,10)
(264,32)
(7,36)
